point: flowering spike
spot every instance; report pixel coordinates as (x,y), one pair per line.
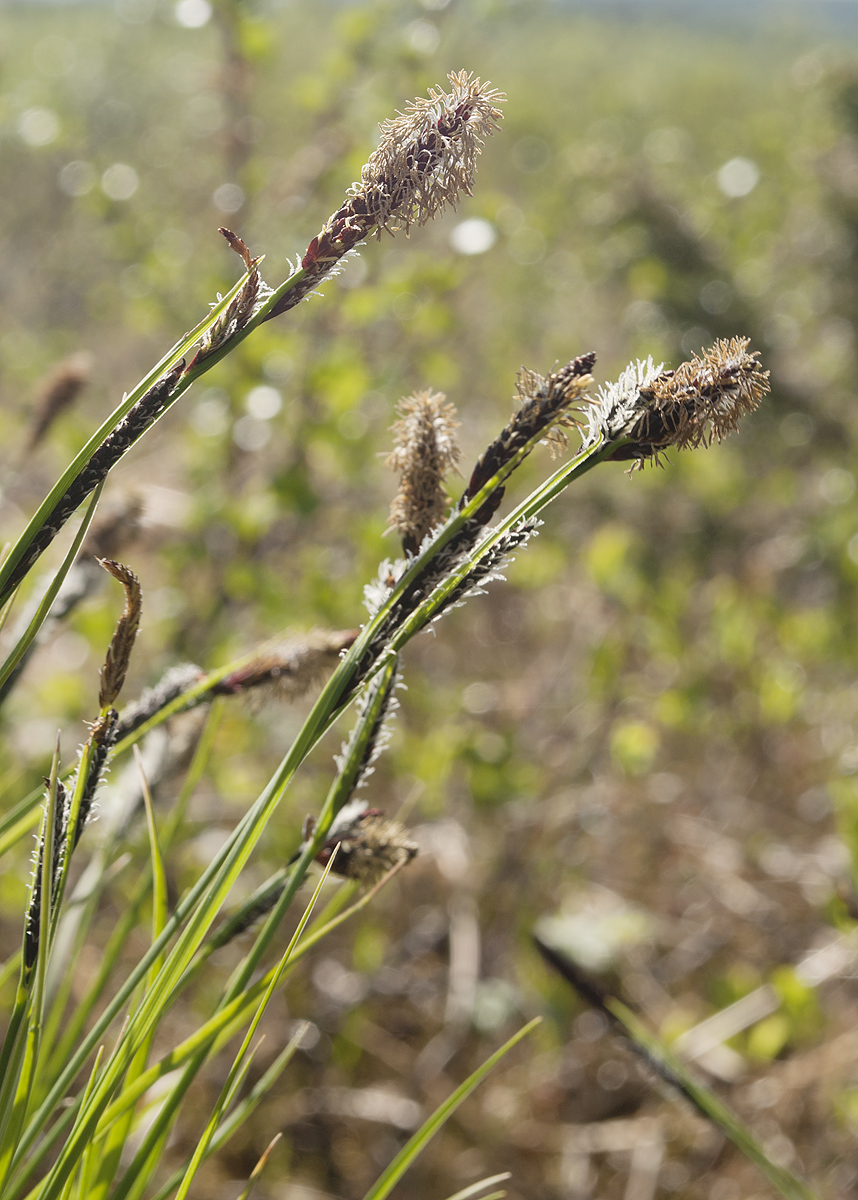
(649,409)
(426,450)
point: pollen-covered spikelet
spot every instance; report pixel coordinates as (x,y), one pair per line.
(425,159)
(649,409)
(426,450)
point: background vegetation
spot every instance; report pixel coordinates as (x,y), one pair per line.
(646,739)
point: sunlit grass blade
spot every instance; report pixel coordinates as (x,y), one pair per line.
(474,1189)
(386,1182)
(241,1112)
(159,877)
(146,1156)
(83,1189)
(74,1025)
(222,1027)
(670,1068)
(259,1168)
(72,932)
(27,637)
(117,1135)
(170,359)
(201,904)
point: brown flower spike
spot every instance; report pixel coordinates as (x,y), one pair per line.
(649,410)
(119,651)
(425,159)
(426,450)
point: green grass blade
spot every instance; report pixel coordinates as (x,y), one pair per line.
(170,359)
(206,897)
(783,1180)
(83,1189)
(21,1044)
(159,877)
(216,881)
(385,1184)
(258,1169)
(670,1068)
(229,1085)
(242,1111)
(474,1189)
(117,1136)
(44,606)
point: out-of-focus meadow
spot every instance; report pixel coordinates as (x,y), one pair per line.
(645,740)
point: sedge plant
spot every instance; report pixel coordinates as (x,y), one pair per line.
(87,1102)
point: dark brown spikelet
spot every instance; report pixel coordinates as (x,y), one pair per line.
(240,310)
(103,736)
(57,391)
(426,450)
(369,846)
(703,400)
(425,159)
(648,410)
(291,668)
(122,643)
(545,406)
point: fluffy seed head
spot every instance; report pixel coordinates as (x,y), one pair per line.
(426,449)
(425,159)
(702,401)
(427,156)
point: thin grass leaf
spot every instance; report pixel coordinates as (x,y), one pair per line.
(128,920)
(221,1028)
(135,1178)
(159,877)
(474,1189)
(218,878)
(21,1045)
(170,359)
(386,1182)
(118,1133)
(241,1112)
(83,1189)
(227,1090)
(673,1071)
(260,1166)
(27,637)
